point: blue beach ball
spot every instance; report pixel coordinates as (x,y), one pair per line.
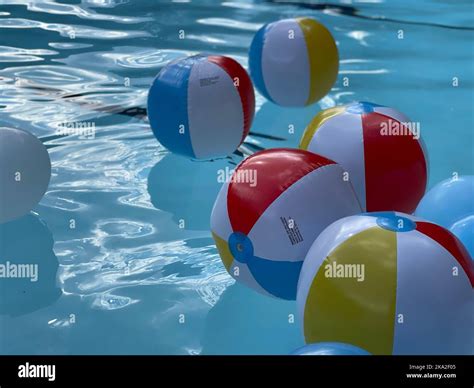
(330,349)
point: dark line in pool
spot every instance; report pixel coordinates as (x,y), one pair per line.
(135,112)
(354,12)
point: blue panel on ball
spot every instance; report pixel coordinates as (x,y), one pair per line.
(168,106)
(279,278)
(255,60)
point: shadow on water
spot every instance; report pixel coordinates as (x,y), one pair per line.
(27,241)
(246,322)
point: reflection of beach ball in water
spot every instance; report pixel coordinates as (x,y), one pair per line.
(190,190)
(26,246)
(25,170)
(451,204)
(388,283)
(201,106)
(382,153)
(265,219)
(293,62)
(330,349)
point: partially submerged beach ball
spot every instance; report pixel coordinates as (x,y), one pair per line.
(451,204)
(388,283)
(265,219)
(25,171)
(201,106)
(330,349)
(294,62)
(379,148)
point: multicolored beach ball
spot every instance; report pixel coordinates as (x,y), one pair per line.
(294,62)
(380,149)
(388,283)
(201,106)
(265,219)
(330,349)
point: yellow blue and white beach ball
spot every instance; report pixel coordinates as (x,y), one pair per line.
(294,62)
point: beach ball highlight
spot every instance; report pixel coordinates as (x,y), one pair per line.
(451,204)
(294,62)
(388,283)
(380,149)
(202,106)
(330,349)
(267,216)
(25,171)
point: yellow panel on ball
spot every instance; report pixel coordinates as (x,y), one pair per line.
(346,309)
(323,58)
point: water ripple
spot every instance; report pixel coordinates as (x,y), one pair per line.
(15,54)
(52,7)
(72,31)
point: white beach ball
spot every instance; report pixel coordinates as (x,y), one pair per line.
(25,171)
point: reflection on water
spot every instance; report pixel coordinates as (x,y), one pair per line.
(27,243)
(187,189)
(245,322)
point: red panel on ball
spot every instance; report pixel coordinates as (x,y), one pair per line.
(452,244)
(395,167)
(244,87)
(276,170)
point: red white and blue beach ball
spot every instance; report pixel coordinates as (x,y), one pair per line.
(265,219)
(201,106)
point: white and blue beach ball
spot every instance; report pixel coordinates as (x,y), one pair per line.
(201,106)
(294,62)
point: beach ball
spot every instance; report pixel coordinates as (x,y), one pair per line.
(25,170)
(379,148)
(267,215)
(451,204)
(201,106)
(388,283)
(330,349)
(293,62)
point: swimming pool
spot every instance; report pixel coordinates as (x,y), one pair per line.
(122,235)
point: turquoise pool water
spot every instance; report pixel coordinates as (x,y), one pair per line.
(127,264)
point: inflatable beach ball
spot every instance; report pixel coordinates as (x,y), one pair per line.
(201,106)
(388,283)
(330,349)
(265,219)
(381,151)
(293,62)
(451,204)
(25,171)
